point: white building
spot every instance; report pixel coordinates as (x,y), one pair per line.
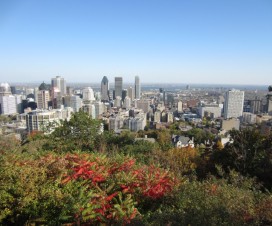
(59,84)
(7,100)
(116,123)
(118,102)
(130,93)
(88,95)
(90,109)
(39,119)
(76,103)
(234,101)
(8,105)
(136,124)
(127,103)
(99,109)
(180,109)
(122,120)
(213,110)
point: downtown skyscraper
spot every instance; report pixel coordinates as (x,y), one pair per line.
(118,86)
(137,88)
(105,89)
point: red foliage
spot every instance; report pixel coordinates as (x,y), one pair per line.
(147,181)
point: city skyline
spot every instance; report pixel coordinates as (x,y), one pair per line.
(196,42)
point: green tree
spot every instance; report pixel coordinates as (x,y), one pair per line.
(79,133)
(249,153)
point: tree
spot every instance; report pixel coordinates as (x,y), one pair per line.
(250,153)
(79,133)
(270,88)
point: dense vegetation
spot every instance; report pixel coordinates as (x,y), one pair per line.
(79,175)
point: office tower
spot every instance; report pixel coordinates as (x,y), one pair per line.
(88,95)
(118,86)
(7,100)
(130,93)
(105,89)
(124,94)
(234,101)
(59,84)
(137,88)
(43,97)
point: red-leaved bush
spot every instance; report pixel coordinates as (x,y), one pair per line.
(115,184)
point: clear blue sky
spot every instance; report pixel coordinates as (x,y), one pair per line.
(183,41)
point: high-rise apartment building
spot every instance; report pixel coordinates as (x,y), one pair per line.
(137,88)
(7,100)
(105,89)
(118,86)
(234,101)
(59,85)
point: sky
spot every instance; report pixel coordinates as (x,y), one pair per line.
(183,41)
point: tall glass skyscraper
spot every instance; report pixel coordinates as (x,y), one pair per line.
(137,88)
(118,86)
(105,89)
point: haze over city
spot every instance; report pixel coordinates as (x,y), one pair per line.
(210,42)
